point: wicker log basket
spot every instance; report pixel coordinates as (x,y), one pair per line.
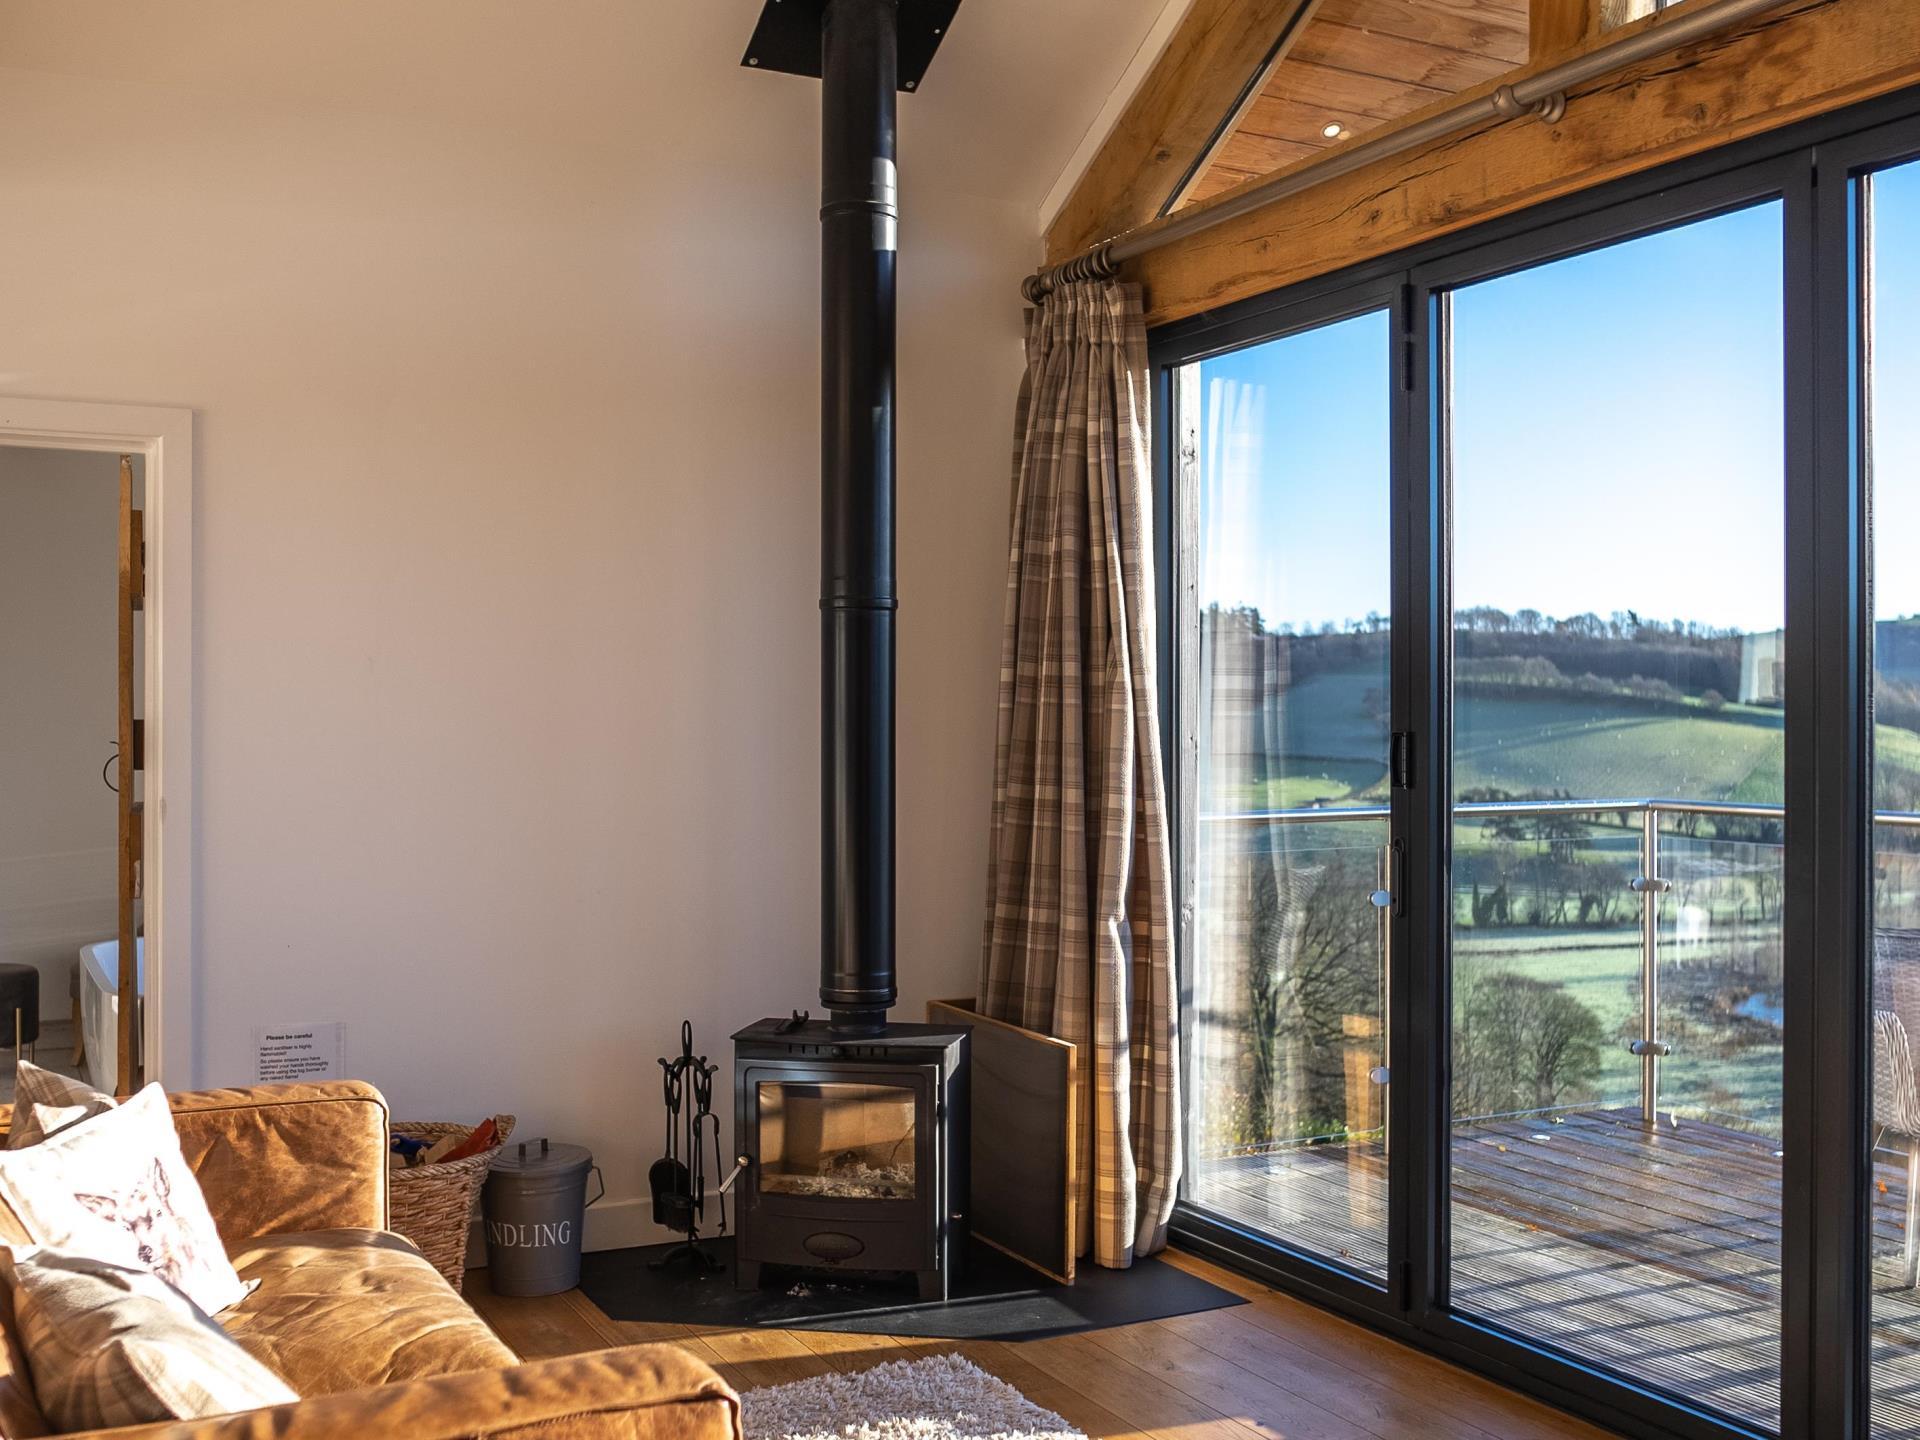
(434,1205)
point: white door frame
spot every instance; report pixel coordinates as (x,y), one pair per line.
(163,436)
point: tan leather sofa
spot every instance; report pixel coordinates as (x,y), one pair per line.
(355,1319)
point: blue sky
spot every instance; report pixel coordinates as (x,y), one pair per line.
(1294,475)
(1896,390)
(1617,437)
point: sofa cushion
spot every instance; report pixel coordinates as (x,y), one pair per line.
(45,1101)
(21,1417)
(275,1159)
(116,1345)
(116,1187)
(340,1309)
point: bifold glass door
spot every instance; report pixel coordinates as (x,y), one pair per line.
(1286,666)
(1544,743)
(1618,760)
(1888,214)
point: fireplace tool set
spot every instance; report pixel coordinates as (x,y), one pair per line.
(679,1177)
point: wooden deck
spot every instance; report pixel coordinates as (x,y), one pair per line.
(1654,1252)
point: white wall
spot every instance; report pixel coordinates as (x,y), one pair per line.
(500,326)
(59,648)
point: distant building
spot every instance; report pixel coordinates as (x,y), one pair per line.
(1763,668)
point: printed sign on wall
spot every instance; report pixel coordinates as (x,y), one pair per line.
(301,1052)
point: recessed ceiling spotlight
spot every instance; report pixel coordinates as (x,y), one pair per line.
(1331,130)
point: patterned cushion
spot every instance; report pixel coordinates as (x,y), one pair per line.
(45,1101)
(116,1186)
(111,1345)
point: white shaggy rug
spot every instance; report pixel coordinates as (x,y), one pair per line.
(944,1397)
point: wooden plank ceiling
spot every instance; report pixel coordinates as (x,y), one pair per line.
(1357,64)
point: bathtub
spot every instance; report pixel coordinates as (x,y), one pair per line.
(100,1006)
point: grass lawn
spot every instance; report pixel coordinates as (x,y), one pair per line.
(1572,744)
(1317,781)
(1329,742)
(1601,969)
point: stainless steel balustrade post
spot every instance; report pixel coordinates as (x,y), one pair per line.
(1649,886)
(1650,965)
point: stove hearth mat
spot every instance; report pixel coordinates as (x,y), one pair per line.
(1000,1299)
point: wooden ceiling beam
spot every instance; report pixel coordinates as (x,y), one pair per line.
(1556,28)
(1219,50)
(1801,60)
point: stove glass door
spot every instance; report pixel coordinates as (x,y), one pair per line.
(838,1140)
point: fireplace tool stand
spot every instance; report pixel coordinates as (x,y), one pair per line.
(679,1178)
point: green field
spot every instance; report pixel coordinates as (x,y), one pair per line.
(1547,902)
(1327,742)
(1331,742)
(1332,746)
(1556,745)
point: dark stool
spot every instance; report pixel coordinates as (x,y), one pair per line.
(20,993)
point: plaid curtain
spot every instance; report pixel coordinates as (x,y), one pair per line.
(1078,933)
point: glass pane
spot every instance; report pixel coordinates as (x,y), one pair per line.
(1615,13)
(1619,583)
(843,1141)
(1722,969)
(1287,670)
(1893,459)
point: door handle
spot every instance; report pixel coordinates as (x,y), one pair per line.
(1388,898)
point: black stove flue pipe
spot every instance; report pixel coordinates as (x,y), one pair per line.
(859,220)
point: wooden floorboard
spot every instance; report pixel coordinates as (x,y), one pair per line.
(1305,1339)
(1274,1369)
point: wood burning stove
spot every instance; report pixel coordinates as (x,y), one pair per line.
(853,1131)
(856,1151)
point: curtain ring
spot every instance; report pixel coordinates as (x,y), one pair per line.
(1096,264)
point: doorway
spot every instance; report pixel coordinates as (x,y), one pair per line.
(97,501)
(60,827)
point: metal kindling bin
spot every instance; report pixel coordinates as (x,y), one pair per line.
(535,1203)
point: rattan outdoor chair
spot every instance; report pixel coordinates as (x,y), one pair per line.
(1896,1089)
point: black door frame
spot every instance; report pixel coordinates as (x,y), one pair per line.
(1825,1377)
(1304,308)
(1826,1345)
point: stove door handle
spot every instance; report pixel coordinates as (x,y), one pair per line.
(739,1165)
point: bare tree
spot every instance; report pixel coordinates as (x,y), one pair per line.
(1315,959)
(1521,1044)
